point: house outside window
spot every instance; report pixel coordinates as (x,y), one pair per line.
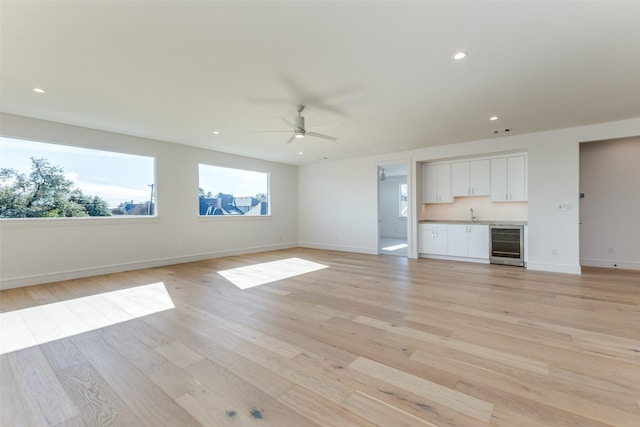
(232,192)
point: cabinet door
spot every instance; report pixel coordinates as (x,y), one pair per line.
(432,239)
(480,177)
(436,183)
(499,189)
(424,239)
(430,184)
(478,241)
(440,242)
(460,184)
(444,183)
(516,178)
(457,240)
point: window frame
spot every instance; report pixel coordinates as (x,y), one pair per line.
(228,217)
(405,201)
(16,222)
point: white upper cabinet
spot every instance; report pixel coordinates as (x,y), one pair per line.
(436,183)
(472,178)
(509,179)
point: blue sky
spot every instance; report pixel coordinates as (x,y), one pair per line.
(115,177)
(118,177)
(232,181)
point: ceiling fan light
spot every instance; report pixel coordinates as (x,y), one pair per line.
(299,135)
(460,55)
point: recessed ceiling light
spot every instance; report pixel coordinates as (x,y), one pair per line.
(216,132)
(460,55)
(299,152)
(493,118)
(38,90)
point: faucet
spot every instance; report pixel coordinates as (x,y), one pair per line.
(473,217)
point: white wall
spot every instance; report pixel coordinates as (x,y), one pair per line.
(337,205)
(37,251)
(392,225)
(553,179)
(610,210)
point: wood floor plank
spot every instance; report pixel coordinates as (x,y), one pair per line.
(455,400)
(148,402)
(382,413)
(72,422)
(483,351)
(179,354)
(173,380)
(369,340)
(42,395)
(551,397)
(62,353)
(12,411)
(324,412)
(247,398)
(97,403)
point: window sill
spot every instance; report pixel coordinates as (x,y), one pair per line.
(75,222)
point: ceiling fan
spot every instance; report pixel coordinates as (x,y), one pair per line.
(299,131)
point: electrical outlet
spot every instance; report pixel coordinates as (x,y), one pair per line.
(564,207)
(554,252)
(610,251)
(179,247)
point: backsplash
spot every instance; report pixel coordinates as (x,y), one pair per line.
(483,208)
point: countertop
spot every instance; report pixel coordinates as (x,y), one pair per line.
(478,222)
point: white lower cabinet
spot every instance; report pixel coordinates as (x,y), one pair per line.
(433,239)
(455,240)
(478,243)
(470,241)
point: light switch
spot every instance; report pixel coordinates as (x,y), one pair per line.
(565,207)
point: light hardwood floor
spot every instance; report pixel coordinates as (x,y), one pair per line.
(370,340)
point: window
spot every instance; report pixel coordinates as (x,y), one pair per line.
(42,180)
(225,191)
(403,200)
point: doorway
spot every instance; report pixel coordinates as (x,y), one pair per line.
(393,210)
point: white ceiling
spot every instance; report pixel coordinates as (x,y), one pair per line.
(178,70)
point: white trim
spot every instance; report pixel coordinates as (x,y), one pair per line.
(554,268)
(455,258)
(355,249)
(77,221)
(609,263)
(18,282)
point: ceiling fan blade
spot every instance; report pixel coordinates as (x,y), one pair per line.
(321,135)
(291,139)
(267,131)
(288,122)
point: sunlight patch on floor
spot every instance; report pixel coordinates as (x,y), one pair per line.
(395,247)
(267,272)
(44,323)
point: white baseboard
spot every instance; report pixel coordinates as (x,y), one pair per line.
(22,281)
(340,248)
(608,263)
(554,268)
(455,258)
